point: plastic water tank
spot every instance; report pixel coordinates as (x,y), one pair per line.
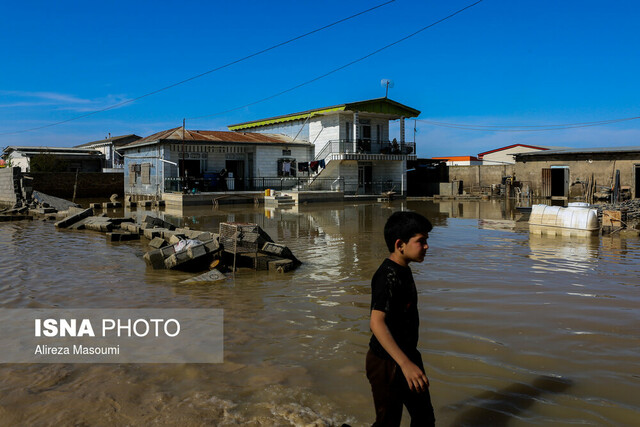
(573,217)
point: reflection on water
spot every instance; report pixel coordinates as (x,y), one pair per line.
(515,329)
(498,408)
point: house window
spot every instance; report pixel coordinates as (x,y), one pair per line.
(134,172)
(286,152)
(379,133)
(145,173)
(348,132)
(286,167)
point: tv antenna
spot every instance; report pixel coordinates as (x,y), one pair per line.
(386,83)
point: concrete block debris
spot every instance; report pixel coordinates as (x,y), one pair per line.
(238,237)
(99,223)
(281,266)
(110,205)
(157,243)
(130,227)
(279,250)
(152,221)
(176,259)
(155,259)
(73,218)
(118,236)
(253,247)
(210,276)
(257,261)
(41,211)
(187,254)
(150,233)
(197,251)
(175,238)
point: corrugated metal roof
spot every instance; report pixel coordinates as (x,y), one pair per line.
(113,139)
(175,134)
(377,106)
(535,147)
(36,149)
(595,150)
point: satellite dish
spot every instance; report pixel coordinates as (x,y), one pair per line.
(386,83)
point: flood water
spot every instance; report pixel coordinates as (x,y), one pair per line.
(515,329)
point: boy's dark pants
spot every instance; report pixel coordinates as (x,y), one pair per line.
(391,391)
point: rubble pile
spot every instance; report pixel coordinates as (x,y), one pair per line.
(236,246)
(632,207)
(33,203)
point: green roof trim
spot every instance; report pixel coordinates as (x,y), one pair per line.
(383,106)
(282,119)
(376,106)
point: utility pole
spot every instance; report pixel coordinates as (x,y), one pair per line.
(184,171)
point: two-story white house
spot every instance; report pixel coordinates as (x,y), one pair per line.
(351,144)
(345,147)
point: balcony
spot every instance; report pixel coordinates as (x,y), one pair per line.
(367,149)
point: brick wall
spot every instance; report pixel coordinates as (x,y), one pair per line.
(479,176)
(7,187)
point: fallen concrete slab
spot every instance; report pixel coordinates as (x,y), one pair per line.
(210,276)
(57,203)
(152,221)
(72,219)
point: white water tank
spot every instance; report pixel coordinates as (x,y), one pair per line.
(575,217)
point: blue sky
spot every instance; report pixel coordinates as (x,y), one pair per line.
(498,63)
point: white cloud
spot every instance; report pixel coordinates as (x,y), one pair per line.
(58,101)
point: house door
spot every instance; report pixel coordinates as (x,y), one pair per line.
(235,167)
(636,169)
(192,168)
(365,179)
(559,181)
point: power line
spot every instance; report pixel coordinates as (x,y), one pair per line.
(244,58)
(525,128)
(335,70)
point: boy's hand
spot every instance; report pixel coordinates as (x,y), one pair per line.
(416,379)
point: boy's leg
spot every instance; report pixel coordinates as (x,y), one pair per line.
(418,404)
(387,399)
(420,408)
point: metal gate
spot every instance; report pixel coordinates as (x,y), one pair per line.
(545,191)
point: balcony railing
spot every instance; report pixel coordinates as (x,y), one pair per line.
(284,184)
(366,146)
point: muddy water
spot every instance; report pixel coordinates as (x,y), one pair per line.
(515,329)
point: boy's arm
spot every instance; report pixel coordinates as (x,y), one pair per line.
(416,379)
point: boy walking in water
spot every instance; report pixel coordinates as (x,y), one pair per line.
(394,365)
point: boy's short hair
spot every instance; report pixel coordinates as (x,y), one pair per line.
(404,225)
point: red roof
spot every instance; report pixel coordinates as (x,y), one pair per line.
(457,158)
(214,136)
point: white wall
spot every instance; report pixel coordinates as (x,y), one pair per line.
(323,129)
(266,159)
(290,129)
(506,156)
(18,160)
(388,170)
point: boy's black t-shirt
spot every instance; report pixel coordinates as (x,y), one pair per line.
(394,292)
